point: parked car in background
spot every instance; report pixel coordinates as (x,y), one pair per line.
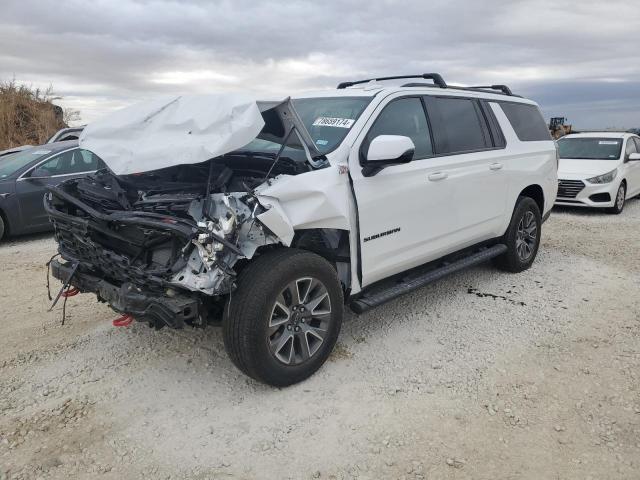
(64,134)
(598,169)
(24,177)
(280,213)
(9,151)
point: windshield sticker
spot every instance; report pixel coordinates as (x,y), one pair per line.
(608,142)
(334,122)
(40,152)
(322,142)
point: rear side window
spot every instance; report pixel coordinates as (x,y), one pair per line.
(458,125)
(405,117)
(526,121)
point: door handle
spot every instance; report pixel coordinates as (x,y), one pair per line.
(495,166)
(434,177)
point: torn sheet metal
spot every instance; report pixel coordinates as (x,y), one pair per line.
(190,129)
(317,199)
(173,130)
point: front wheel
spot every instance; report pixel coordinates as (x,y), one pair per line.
(522,237)
(284,318)
(620,199)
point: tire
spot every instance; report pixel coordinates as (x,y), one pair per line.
(525,222)
(263,333)
(620,200)
(2,228)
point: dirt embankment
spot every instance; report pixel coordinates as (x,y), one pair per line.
(27,115)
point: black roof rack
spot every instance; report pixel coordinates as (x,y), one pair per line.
(503,88)
(437,80)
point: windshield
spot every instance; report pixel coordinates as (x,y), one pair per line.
(328,121)
(590,148)
(9,164)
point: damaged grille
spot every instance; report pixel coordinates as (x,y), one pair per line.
(77,245)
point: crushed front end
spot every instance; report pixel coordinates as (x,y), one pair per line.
(161,246)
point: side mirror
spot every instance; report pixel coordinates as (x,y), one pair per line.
(386,150)
(634,157)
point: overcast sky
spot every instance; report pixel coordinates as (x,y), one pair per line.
(579,59)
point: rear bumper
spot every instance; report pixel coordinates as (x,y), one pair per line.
(172,311)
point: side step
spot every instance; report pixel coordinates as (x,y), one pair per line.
(389,290)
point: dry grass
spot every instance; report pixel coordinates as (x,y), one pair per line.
(27,115)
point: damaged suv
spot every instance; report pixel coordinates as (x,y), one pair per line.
(270,216)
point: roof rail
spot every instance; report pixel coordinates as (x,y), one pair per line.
(436,77)
(503,88)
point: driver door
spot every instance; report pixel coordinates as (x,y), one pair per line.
(405,213)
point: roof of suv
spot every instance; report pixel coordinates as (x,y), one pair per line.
(374,88)
(416,83)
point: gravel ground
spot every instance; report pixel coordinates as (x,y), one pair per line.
(484,375)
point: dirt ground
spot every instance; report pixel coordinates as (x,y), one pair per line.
(484,375)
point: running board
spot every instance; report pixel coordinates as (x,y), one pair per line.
(382,294)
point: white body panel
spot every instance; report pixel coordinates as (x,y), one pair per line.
(413,218)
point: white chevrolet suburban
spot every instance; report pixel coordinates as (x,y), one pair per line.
(270,216)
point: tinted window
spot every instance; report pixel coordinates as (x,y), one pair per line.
(72,161)
(590,148)
(637,140)
(10,164)
(404,117)
(527,121)
(457,125)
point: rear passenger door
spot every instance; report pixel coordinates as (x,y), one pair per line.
(470,153)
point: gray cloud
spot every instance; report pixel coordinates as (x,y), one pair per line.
(577,59)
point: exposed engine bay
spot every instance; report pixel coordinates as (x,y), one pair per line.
(162,234)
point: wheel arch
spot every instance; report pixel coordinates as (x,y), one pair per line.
(536,193)
(331,244)
(7,226)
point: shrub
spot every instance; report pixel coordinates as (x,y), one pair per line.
(27,115)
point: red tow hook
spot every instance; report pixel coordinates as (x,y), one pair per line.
(70,292)
(123,321)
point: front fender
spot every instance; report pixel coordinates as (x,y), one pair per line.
(318,199)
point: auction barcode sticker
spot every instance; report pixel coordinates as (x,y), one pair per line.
(334,122)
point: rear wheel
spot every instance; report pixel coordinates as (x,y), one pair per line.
(620,199)
(2,228)
(522,238)
(283,320)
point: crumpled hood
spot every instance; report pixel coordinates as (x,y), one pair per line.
(572,166)
(175,130)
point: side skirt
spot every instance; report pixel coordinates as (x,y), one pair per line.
(394,287)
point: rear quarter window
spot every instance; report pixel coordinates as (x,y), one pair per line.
(526,121)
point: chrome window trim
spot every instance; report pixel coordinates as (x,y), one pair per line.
(24,177)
